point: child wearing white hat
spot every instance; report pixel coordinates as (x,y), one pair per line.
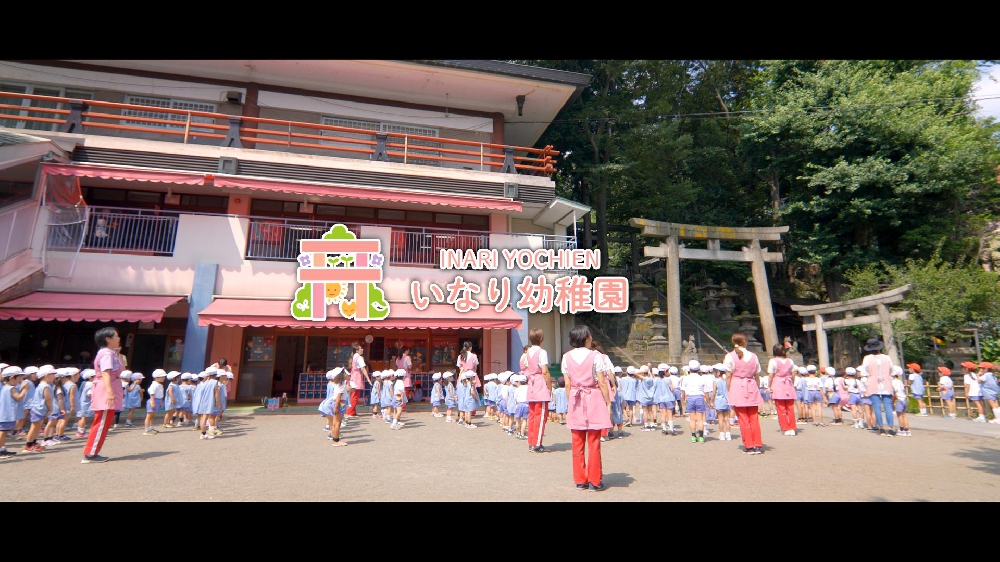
(437,393)
(83,410)
(58,409)
(171,398)
(521,410)
(155,400)
(449,395)
(467,399)
(375,394)
(693,393)
(398,398)
(899,401)
(512,404)
(69,400)
(27,382)
(206,402)
(187,390)
(628,390)
(10,404)
(41,407)
(489,392)
(132,382)
(332,406)
(503,386)
(385,395)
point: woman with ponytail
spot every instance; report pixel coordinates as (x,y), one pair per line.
(744,392)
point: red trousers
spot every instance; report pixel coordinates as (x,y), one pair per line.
(352,408)
(749,426)
(786,414)
(588,471)
(537,414)
(98,431)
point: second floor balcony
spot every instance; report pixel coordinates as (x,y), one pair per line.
(136,231)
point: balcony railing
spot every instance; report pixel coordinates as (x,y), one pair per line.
(121,230)
(92,117)
(278,239)
(422,246)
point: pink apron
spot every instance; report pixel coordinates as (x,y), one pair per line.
(587,408)
(401,364)
(357,379)
(743,391)
(470,365)
(782,387)
(99,396)
(538,391)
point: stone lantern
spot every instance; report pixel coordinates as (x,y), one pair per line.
(711,300)
(657,347)
(726,306)
(748,328)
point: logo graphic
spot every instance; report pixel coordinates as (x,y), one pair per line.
(330,267)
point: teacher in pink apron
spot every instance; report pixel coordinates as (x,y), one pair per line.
(589,408)
(107,394)
(782,371)
(359,374)
(539,381)
(744,392)
(468,361)
(405,363)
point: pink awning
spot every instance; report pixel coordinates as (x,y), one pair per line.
(121,173)
(368,193)
(86,307)
(277,314)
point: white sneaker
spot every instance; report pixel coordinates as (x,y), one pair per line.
(980,419)
(343,425)
(394,426)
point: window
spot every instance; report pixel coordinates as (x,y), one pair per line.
(448,219)
(13,191)
(475,220)
(54,91)
(391,214)
(419,216)
(330,210)
(143,197)
(386,127)
(168,103)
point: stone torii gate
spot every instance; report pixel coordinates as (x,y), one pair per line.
(672,252)
(884,319)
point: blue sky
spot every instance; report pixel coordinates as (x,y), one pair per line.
(989,87)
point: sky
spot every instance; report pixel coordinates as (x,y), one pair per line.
(988,87)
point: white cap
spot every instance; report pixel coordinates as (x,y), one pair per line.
(88,373)
(850,371)
(185,376)
(617,369)
(436,377)
(642,369)
(719,367)
(463,376)
(157,373)
(694,364)
(11,371)
(830,371)
(333,372)
(46,369)
(663,366)
(897,370)
(400,373)
(447,375)
(803,371)
(655,371)
(504,376)
(630,370)
(705,369)
(137,376)
(199,375)
(174,373)
(70,371)
(375,374)
(61,372)
(673,370)
(811,368)
(522,378)
(30,370)
(3,366)
(388,374)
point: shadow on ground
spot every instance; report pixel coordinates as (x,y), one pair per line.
(989,458)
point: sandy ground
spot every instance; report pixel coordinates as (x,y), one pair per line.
(269,457)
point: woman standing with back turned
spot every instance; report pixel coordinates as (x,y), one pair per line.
(744,392)
(589,408)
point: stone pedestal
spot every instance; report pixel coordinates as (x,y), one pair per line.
(641,329)
(726,305)
(749,329)
(711,300)
(656,349)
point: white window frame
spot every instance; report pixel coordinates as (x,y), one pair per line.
(385,127)
(171,103)
(29,88)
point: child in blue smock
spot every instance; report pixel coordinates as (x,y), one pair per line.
(628,389)
(663,397)
(449,395)
(559,397)
(489,395)
(645,383)
(375,394)
(437,395)
(721,403)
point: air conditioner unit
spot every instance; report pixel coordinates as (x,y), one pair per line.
(235,97)
(229,166)
(510,190)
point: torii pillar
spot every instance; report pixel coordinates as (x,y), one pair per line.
(884,319)
(672,251)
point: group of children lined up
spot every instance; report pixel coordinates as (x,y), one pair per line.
(37,403)
(387,400)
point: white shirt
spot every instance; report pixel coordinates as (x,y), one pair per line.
(730,363)
(852,386)
(772,364)
(898,389)
(708,383)
(945,382)
(604,360)
(156,390)
(339,389)
(579,354)
(765,380)
(797,382)
(398,387)
(543,357)
(521,393)
(813,383)
(692,385)
(972,383)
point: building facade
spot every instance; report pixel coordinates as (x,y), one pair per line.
(169,199)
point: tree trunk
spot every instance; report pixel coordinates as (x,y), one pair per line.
(845,348)
(585,197)
(602,225)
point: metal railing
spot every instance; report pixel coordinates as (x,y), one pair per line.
(278,239)
(422,246)
(121,230)
(93,116)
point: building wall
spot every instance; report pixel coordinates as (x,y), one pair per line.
(227,341)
